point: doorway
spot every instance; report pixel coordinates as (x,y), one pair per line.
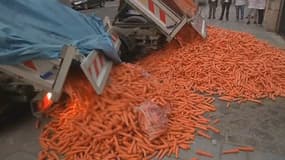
(282,20)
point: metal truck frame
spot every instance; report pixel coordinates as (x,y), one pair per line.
(145,25)
(167,19)
(48,76)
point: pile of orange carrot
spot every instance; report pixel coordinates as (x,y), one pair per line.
(106,127)
(233,65)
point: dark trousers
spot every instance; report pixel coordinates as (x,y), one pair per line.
(212,10)
(260,16)
(240,12)
(225,6)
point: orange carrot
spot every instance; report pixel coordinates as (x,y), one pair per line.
(216,121)
(176,152)
(246,149)
(109,123)
(231,151)
(202,127)
(184,146)
(200,133)
(215,130)
(254,100)
(163,154)
(228,105)
(226,98)
(204,153)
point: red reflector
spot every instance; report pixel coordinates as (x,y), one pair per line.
(151,6)
(31,65)
(46,102)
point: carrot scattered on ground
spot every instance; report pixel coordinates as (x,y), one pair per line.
(203,134)
(231,151)
(228,105)
(216,121)
(250,70)
(194,158)
(107,125)
(215,130)
(204,153)
(246,149)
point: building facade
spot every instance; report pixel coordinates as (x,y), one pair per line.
(274,19)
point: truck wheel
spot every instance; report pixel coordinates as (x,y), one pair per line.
(102,3)
(85,6)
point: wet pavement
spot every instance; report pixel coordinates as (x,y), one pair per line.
(261,126)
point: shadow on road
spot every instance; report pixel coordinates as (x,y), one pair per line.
(13,115)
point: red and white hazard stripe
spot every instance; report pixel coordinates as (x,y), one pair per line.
(30,65)
(159,13)
(97,66)
(114,37)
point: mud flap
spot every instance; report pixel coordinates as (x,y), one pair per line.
(199,24)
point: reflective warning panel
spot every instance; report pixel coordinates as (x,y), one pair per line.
(97,69)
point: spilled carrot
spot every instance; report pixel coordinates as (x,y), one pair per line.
(203,134)
(204,153)
(216,121)
(109,124)
(246,149)
(215,130)
(228,105)
(231,151)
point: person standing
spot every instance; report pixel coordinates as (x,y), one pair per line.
(252,10)
(260,10)
(212,8)
(226,4)
(240,4)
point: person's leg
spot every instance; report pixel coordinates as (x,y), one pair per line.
(249,15)
(263,11)
(242,11)
(227,10)
(223,11)
(237,12)
(214,11)
(255,16)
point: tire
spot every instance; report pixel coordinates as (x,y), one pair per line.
(85,6)
(102,3)
(12,108)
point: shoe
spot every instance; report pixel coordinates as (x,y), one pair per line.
(214,17)
(254,22)
(227,19)
(248,22)
(221,19)
(209,17)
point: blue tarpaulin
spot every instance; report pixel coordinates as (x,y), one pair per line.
(38,29)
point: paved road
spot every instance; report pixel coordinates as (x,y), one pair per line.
(262,126)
